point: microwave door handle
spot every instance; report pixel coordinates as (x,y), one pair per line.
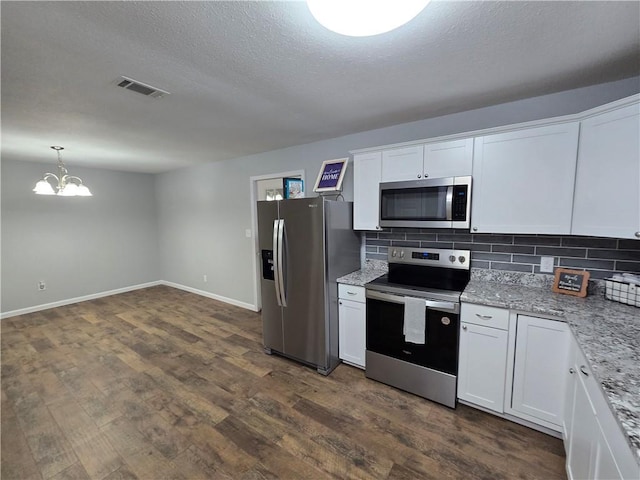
(281,253)
(276,270)
(449,203)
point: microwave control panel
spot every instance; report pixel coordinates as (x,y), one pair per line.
(459,207)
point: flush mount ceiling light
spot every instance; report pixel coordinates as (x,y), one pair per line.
(67,186)
(363,18)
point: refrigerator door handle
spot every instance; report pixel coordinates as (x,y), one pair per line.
(276,224)
(281,253)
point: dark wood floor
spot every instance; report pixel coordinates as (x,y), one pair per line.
(160,383)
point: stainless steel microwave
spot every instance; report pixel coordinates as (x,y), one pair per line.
(430,203)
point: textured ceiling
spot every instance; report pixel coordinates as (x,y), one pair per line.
(248,77)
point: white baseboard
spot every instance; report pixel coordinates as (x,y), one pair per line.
(93,296)
(69,301)
(230,301)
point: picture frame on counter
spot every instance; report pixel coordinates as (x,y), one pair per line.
(293,187)
(571,282)
(331,176)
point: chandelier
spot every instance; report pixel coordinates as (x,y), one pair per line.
(67,185)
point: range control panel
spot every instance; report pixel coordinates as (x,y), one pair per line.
(436,257)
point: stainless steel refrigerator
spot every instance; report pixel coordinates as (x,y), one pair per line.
(305,245)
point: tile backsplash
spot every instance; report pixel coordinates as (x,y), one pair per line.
(602,257)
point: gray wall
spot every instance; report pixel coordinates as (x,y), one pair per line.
(78,245)
(181,225)
(204,210)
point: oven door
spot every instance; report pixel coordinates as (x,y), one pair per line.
(385,324)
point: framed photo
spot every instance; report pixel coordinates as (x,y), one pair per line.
(571,282)
(331,176)
(293,187)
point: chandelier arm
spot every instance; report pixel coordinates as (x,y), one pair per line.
(50,175)
(72,177)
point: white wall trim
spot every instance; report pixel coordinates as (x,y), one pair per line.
(84,298)
(93,296)
(213,296)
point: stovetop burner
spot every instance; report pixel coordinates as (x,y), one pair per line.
(440,274)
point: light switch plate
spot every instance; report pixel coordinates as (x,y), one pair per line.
(247,233)
(546,264)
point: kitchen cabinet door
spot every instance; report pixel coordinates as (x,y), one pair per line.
(571,378)
(584,430)
(604,464)
(352,325)
(482,366)
(523,180)
(539,379)
(448,159)
(367,169)
(402,163)
(607,191)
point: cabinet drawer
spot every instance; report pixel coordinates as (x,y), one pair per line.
(351,292)
(487,316)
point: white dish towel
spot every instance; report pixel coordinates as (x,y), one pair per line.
(414,320)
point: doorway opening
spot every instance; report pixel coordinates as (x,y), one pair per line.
(265,187)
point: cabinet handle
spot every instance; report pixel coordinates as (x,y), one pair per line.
(475,229)
(378,227)
(464,327)
(340,303)
(583,369)
(637,234)
(352,293)
(419,176)
(484,317)
(426,175)
(572,370)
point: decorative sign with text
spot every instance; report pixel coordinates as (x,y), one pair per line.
(571,282)
(331,176)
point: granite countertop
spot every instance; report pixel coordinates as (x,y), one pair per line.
(607,332)
(372,269)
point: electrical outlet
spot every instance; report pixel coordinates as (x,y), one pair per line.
(204,278)
(546,264)
(42,285)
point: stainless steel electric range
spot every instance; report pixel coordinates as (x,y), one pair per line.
(413,321)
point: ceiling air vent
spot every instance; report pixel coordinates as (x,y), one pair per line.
(142,88)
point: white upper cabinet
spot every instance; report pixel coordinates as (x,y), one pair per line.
(523,180)
(402,163)
(448,159)
(367,168)
(452,158)
(607,191)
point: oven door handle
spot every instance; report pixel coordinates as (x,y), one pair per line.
(387,297)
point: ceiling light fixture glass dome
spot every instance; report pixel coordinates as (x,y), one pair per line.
(363,18)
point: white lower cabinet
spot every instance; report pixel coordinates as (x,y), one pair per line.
(513,364)
(595,445)
(539,370)
(531,369)
(482,362)
(352,320)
